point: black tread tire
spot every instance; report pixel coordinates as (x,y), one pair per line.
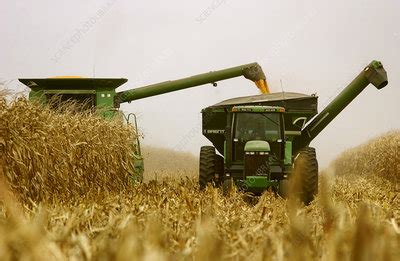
(210,164)
(307,168)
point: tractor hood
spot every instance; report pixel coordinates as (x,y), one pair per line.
(257,146)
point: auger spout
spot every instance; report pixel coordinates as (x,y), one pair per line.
(252,71)
(374,73)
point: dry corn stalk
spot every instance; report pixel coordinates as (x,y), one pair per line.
(354,217)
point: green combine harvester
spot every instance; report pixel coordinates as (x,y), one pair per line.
(260,141)
(101,94)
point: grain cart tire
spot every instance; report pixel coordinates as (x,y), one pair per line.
(210,165)
(306,169)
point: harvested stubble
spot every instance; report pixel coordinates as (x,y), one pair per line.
(354,218)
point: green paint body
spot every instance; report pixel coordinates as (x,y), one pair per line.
(288,153)
(256,183)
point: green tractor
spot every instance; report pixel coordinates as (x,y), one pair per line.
(261,141)
(101,94)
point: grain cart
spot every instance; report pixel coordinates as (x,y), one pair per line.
(100,93)
(261,139)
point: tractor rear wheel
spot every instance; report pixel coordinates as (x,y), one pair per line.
(306,170)
(211,167)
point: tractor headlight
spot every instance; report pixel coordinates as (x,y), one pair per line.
(256,153)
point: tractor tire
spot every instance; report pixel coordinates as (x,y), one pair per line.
(211,167)
(306,170)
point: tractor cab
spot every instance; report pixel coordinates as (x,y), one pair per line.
(257,129)
(258,140)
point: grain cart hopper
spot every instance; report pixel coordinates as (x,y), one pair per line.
(100,93)
(261,139)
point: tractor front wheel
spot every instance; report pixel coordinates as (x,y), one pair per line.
(211,167)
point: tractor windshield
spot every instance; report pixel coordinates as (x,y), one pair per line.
(257,126)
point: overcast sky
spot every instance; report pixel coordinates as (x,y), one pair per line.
(309,46)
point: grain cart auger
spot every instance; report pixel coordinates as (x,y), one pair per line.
(264,139)
(100,93)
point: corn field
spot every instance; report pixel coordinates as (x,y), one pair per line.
(65,194)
